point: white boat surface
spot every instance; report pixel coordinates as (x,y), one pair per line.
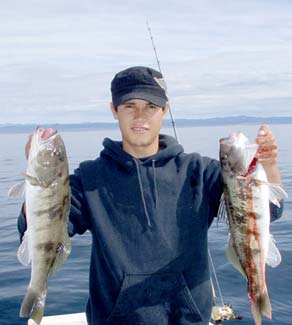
(68,319)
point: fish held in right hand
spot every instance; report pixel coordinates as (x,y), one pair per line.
(46,244)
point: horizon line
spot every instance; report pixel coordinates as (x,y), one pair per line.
(184,120)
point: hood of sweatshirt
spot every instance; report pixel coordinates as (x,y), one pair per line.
(168,149)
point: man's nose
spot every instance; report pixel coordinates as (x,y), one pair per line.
(139,112)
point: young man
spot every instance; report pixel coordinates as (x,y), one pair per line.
(148,206)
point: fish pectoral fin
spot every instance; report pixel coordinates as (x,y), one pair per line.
(33,180)
(222,211)
(42,181)
(17,189)
(276,194)
(63,251)
(46,180)
(274,256)
(23,253)
(233,259)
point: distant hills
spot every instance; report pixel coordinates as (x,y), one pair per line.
(233,120)
(23,128)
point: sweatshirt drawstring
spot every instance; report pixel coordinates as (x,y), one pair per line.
(142,193)
(155,185)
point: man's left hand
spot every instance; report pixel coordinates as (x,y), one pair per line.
(267,153)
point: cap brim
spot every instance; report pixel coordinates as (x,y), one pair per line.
(156,100)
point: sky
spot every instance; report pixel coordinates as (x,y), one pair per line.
(219,57)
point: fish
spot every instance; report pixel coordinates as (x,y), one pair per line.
(46,244)
(246,205)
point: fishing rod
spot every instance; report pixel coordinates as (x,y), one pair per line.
(159,68)
(219,313)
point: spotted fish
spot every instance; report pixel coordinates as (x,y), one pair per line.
(247,196)
(45,244)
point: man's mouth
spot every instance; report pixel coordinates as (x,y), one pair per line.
(139,129)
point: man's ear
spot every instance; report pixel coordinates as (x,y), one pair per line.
(114,112)
(165,110)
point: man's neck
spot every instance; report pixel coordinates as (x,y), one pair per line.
(141,152)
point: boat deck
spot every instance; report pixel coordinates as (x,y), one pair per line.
(68,319)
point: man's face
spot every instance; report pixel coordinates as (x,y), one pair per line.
(140,122)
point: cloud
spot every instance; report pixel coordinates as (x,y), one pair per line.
(57,58)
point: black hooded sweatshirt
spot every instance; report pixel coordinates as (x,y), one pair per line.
(149,220)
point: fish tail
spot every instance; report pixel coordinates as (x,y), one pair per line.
(266,308)
(261,306)
(33,305)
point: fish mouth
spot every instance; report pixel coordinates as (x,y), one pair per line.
(233,137)
(45,134)
(225,140)
(239,153)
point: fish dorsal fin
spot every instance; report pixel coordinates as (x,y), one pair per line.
(63,251)
(233,258)
(274,257)
(222,211)
(17,189)
(23,253)
(276,194)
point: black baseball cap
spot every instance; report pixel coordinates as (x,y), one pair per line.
(139,83)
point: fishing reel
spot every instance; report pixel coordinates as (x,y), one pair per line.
(223,313)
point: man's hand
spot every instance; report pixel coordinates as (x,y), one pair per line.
(267,153)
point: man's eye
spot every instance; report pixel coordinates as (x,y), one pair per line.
(152,106)
(129,106)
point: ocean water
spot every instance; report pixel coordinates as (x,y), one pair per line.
(69,288)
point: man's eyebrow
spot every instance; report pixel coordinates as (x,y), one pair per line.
(134,103)
(129,102)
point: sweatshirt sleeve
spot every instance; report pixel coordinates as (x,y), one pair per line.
(21,224)
(79,214)
(213,186)
(275,211)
